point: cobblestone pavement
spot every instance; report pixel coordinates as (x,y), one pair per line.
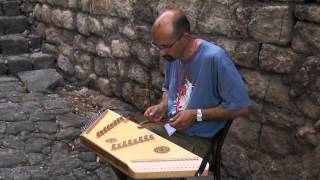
(39,132)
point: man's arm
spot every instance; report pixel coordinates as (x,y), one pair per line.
(186,118)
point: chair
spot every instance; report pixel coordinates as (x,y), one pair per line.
(215,152)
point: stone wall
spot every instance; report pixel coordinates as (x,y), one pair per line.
(275,44)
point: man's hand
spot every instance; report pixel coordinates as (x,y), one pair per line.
(155,113)
(184,119)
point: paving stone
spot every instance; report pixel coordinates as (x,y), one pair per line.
(11,8)
(64,165)
(36,145)
(8,79)
(68,134)
(87,156)
(5,174)
(12,159)
(35,158)
(14,24)
(42,116)
(13,142)
(40,174)
(18,127)
(13,44)
(47,127)
(70,120)
(11,86)
(3,66)
(2,127)
(42,61)
(64,177)
(11,112)
(56,105)
(40,80)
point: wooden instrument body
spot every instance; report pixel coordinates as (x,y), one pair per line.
(139,153)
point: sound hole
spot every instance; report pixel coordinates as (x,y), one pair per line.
(161,149)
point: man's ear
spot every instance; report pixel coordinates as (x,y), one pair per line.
(186,36)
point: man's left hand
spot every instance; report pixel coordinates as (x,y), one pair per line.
(184,119)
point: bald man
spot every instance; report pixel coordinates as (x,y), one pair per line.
(202,88)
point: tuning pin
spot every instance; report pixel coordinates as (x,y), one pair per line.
(113,146)
(146,137)
(105,129)
(135,141)
(119,145)
(129,142)
(140,138)
(124,143)
(98,134)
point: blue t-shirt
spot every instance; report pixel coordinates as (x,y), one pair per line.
(208,79)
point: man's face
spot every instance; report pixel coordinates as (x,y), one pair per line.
(167,47)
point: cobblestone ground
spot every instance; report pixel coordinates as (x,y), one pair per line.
(39,132)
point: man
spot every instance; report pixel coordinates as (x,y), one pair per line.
(202,87)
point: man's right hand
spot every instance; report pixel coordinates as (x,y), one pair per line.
(155,113)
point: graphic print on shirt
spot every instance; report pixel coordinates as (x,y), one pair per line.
(183,95)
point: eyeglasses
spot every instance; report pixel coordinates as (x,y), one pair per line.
(161,47)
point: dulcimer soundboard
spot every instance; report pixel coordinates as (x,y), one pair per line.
(138,152)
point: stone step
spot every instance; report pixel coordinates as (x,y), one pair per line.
(13,24)
(14,44)
(10,8)
(26,62)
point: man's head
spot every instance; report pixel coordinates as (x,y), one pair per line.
(171,34)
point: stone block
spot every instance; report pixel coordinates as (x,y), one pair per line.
(243,53)
(13,44)
(100,66)
(276,142)
(49,49)
(104,86)
(3,66)
(256,82)
(217,17)
(100,7)
(278,93)
(42,61)
(121,8)
(34,41)
(12,159)
(308,12)
(13,24)
(306,38)
(103,50)
(82,23)
(65,65)
(272,24)
(157,79)
(246,132)
(137,73)
(191,9)
(63,18)
(278,59)
(18,64)
(11,8)
(142,53)
(120,49)
(41,80)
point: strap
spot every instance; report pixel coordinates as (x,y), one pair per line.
(206,158)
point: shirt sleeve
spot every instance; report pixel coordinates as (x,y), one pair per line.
(231,88)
